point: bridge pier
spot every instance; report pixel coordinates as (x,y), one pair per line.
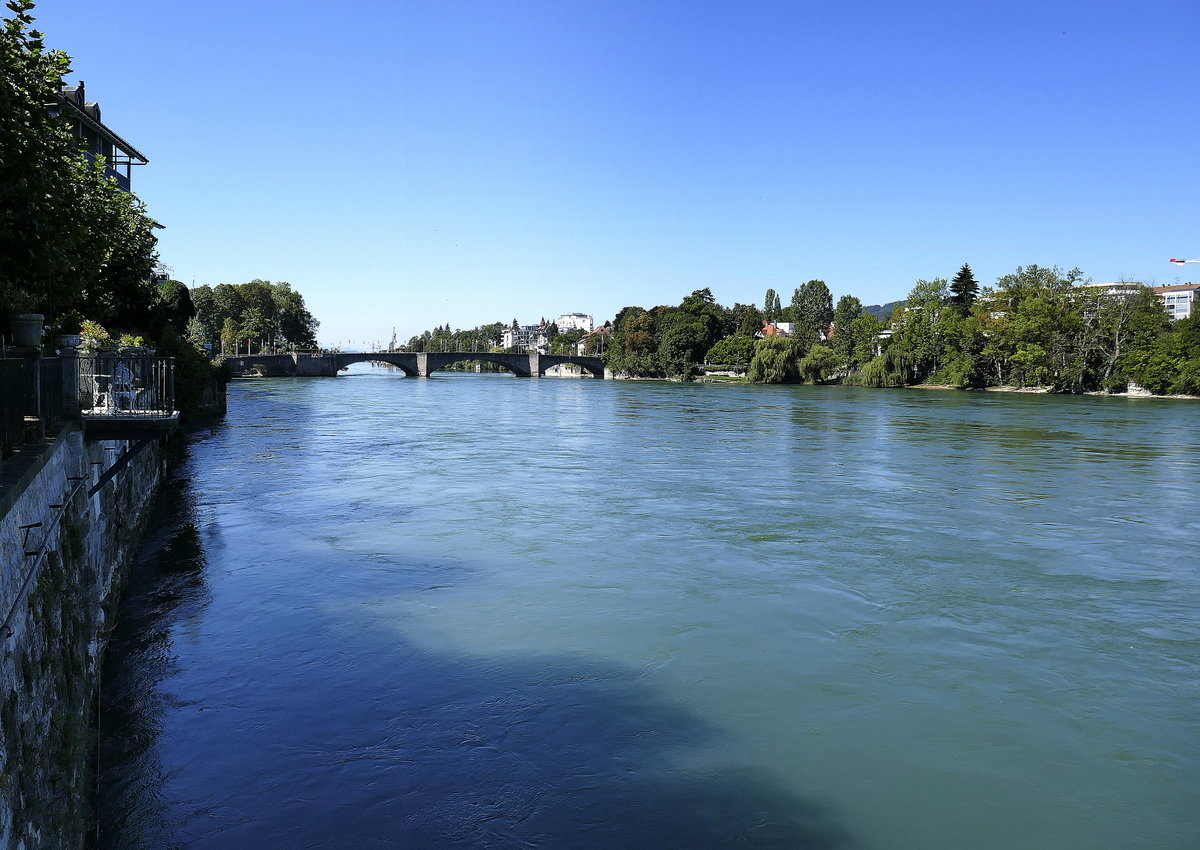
(422,364)
(534,371)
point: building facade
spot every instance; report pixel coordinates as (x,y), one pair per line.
(1180,300)
(99,139)
(573,322)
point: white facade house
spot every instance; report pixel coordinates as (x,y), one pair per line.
(525,337)
(574,321)
(1180,300)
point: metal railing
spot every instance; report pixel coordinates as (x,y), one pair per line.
(126,386)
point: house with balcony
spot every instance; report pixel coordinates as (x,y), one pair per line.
(99,139)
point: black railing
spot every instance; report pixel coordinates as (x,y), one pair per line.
(126,386)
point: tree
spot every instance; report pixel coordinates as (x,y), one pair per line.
(1114,327)
(812,307)
(229,336)
(774,361)
(771,306)
(918,332)
(735,349)
(819,364)
(293,320)
(746,320)
(848,309)
(964,288)
(174,306)
(70,239)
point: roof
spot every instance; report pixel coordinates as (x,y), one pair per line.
(88,114)
(1180,287)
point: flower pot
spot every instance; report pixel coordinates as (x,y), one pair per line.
(26,328)
(67,341)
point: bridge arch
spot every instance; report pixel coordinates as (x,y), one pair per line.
(592,365)
(518,364)
(407,363)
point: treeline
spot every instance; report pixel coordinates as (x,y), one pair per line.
(489,338)
(483,338)
(258,314)
(1037,327)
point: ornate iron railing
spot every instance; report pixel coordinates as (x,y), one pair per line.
(126,386)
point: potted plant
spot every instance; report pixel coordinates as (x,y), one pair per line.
(69,326)
(93,337)
(24,324)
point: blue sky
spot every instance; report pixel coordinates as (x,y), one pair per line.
(407,164)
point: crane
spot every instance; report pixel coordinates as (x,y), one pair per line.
(1181,262)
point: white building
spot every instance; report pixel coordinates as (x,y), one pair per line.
(574,321)
(1179,300)
(525,337)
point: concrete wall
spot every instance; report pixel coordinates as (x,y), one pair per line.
(49,665)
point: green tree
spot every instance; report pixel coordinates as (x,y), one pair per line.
(812,308)
(918,327)
(294,323)
(70,239)
(848,309)
(230,333)
(1113,328)
(736,349)
(746,320)
(174,306)
(774,361)
(964,288)
(771,308)
(819,364)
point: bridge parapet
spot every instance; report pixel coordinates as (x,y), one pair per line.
(413,363)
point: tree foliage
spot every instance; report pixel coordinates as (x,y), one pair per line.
(70,238)
(259,311)
(964,289)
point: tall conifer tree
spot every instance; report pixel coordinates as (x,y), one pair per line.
(964,287)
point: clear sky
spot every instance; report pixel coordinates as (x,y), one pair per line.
(410,164)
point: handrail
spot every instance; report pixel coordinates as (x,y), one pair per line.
(6,630)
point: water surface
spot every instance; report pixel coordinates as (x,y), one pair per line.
(479,611)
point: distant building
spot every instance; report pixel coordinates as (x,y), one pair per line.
(777,329)
(602,336)
(1179,300)
(574,321)
(1126,290)
(525,338)
(100,140)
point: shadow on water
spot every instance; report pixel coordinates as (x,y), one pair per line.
(323,736)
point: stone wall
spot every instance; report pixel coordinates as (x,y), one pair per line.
(61,603)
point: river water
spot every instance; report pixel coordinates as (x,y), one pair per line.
(479,611)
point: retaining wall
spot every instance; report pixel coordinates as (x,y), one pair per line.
(62,601)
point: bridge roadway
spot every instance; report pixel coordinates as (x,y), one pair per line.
(416,364)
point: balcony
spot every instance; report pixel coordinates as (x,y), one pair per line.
(125,396)
(115,396)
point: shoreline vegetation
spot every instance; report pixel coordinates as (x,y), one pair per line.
(1037,330)
(1130,393)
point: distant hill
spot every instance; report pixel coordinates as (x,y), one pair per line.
(882,310)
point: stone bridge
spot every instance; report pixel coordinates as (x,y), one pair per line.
(417,364)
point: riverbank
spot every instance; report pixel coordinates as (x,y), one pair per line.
(1136,393)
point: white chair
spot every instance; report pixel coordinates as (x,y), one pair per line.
(123,389)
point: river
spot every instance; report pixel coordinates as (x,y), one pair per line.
(480,611)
